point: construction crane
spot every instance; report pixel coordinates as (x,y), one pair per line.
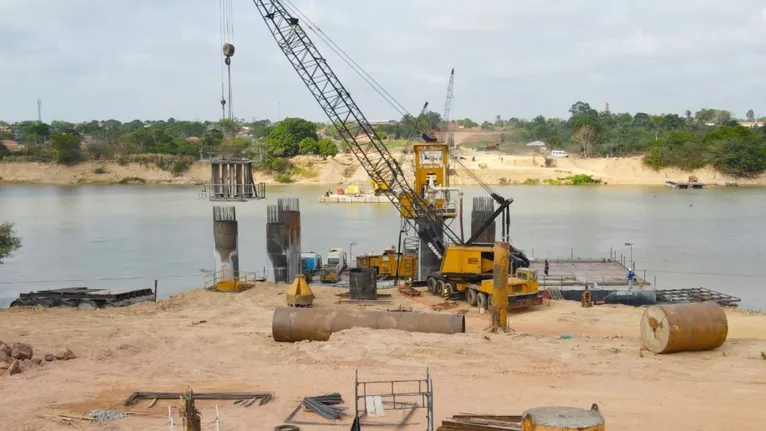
(448,136)
(426,206)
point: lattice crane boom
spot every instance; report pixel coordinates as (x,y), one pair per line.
(448,108)
(350,122)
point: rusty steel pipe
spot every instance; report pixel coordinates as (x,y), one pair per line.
(316,324)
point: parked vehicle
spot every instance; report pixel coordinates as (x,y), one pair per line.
(311,264)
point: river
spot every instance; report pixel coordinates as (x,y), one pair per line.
(128,236)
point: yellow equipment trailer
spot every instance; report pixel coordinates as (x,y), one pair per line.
(385,264)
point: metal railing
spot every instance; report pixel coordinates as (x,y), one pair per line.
(245,278)
(233,192)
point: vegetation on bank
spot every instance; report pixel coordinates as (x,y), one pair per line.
(709,137)
(9,241)
(572,180)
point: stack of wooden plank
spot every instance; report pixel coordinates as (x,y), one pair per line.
(470,422)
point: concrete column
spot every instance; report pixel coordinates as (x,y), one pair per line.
(483,208)
(225,233)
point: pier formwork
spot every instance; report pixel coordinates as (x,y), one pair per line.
(283,239)
(225,239)
(428,261)
(483,208)
(232,180)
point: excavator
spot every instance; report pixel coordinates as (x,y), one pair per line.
(448,264)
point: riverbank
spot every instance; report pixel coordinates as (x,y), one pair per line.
(210,341)
(490,167)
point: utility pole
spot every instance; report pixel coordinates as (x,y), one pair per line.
(39,110)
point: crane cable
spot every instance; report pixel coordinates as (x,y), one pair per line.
(372,82)
(226,27)
(348,60)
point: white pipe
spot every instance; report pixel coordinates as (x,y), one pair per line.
(170,417)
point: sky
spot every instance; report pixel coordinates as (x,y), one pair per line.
(150,59)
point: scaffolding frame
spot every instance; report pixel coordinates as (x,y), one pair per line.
(423,398)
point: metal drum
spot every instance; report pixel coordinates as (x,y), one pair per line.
(675,328)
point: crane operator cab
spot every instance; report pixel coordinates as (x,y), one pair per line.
(432,178)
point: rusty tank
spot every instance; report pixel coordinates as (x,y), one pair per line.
(301,324)
(671,328)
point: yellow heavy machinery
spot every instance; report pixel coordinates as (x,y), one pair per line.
(428,204)
(385,264)
(468,271)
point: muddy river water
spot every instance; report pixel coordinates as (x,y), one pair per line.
(128,236)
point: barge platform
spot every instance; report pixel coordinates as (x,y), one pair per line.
(582,272)
(675,185)
(83,297)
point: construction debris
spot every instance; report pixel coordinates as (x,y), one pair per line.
(471,422)
(105,415)
(16,357)
(248,397)
(678,296)
(323,405)
(408,290)
(446,305)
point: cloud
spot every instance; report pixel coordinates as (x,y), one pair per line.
(147,59)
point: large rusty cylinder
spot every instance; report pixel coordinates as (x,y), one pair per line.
(316,324)
(671,328)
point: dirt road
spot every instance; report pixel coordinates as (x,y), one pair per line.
(159,347)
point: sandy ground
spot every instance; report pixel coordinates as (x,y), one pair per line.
(490,167)
(156,347)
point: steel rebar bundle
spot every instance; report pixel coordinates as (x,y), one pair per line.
(224,214)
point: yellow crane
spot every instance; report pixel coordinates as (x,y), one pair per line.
(429,203)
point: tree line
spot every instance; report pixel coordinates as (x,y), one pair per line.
(708,137)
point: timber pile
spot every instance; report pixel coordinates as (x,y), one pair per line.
(481,423)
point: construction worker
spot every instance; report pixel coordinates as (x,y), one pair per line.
(546,268)
(585,299)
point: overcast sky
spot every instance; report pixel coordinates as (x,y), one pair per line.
(155,59)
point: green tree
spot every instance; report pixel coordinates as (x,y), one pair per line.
(750,115)
(9,242)
(212,137)
(678,149)
(308,146)
(487,126)
(284,140)
(67,148)
(738,151)
(327,148)
(467,123)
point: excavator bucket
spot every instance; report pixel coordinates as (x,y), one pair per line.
(299,294)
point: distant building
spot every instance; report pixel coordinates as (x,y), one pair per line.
(10,145)
(751,124)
